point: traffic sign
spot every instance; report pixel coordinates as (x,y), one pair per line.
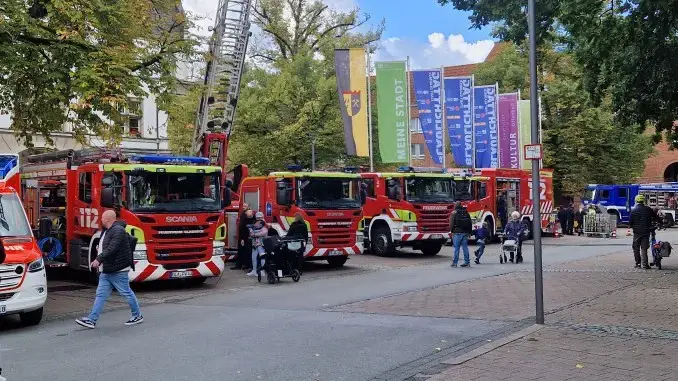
(533,152)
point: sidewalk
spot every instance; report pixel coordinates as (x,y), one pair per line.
(627,331)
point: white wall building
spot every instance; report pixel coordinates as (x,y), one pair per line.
(146,131)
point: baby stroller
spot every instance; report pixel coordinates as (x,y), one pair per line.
(283,259)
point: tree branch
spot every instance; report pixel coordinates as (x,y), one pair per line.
(328,31)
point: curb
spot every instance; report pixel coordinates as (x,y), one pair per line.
(489,347)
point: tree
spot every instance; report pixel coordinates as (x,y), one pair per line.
(289,91)
(81,61)
(181,112)
(582,143)
(626,49)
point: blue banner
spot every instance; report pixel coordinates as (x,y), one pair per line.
(485,125)
(459,115)
(427,92)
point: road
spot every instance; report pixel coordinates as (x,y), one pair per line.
(287,331)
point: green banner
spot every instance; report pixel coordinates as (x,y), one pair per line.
(392,111)
(525,132)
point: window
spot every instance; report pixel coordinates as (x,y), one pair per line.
(623,192)
(113,180)
(85,187)
(369,187)
(251,198)
(604,194)
(417,151)
(415,126)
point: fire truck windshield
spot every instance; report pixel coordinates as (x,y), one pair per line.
(13,221)
(328,193)
(589,194)
(434,190)
(163,192)
(464,190)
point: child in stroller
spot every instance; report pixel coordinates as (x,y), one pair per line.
(283,258)
(512,242)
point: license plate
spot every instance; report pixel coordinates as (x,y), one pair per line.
(3,309)
(436,236)
(336,252)
(181,274)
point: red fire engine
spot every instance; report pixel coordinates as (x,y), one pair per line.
(411,208)
(329,202)
(171,204)
(515,186)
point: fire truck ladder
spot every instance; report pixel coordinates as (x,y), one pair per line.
(228,47)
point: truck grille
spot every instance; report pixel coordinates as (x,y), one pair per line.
(433,221)
(180,232)
(5,297)
(335,239)
(185,254)
(11,275)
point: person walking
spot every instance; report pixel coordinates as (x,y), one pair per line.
(641,221)
(258,231)
(570,219)
(502,209)
(562,218)
(461,227)
(116,260)
(242,260)
(515,230)
(482,234)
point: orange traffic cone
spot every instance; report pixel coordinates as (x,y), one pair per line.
(614,234)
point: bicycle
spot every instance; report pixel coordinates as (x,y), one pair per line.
(659,249)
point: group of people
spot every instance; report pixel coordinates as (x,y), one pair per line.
(252,231)
(567,217)
(461,227)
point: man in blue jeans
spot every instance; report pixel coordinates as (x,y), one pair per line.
(115,258)
(461,227)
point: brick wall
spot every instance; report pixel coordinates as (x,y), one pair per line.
(656,165)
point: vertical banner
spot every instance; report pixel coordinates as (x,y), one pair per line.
(459,119)
(392,111)
(352,89)
(485,126)
(509,140)
(427,92)
(525,132)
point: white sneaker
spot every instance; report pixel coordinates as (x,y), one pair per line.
(252,273)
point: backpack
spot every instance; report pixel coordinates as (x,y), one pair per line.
(665,249)
(132,246)
(462,220)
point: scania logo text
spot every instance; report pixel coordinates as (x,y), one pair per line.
(181,219)
(335,214)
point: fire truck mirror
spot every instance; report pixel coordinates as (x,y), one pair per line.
(3,256)
(283,194)
(107,198)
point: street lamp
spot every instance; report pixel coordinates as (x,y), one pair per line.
(534,112)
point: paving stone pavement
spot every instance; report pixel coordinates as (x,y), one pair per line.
(605,321)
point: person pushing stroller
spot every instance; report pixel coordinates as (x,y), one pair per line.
(515,230)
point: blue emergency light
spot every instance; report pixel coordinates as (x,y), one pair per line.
(156,159)
(294,168)
(351,169)
(7,163)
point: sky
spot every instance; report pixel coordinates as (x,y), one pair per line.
(430,34)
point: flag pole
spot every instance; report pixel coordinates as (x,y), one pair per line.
(442,105)
(369,107)
(473,120)
(409,116)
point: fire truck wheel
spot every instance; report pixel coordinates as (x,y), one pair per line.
(337,261)
(382,244)
(31,318)
(431,248)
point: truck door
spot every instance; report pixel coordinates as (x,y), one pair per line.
(623,203)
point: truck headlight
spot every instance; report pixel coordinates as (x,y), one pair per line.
(410,229)
(36,266)
(218,251)
(139,255)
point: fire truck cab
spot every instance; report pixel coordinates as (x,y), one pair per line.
(171,204)
(328,201)
(511,188)
(23,283)
(412,207)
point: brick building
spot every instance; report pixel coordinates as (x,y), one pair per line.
(662,166)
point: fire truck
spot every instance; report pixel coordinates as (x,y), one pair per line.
(23,283)
(515,186)
(171,204)
(329,202)
(411,208)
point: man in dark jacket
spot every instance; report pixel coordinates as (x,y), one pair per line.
(570,220)
(114,260)
(641,222)
(243,259)
(461,227)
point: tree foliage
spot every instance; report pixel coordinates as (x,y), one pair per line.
(626,49)
(289,93)
(81,61)
(181,112)
(583,143)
